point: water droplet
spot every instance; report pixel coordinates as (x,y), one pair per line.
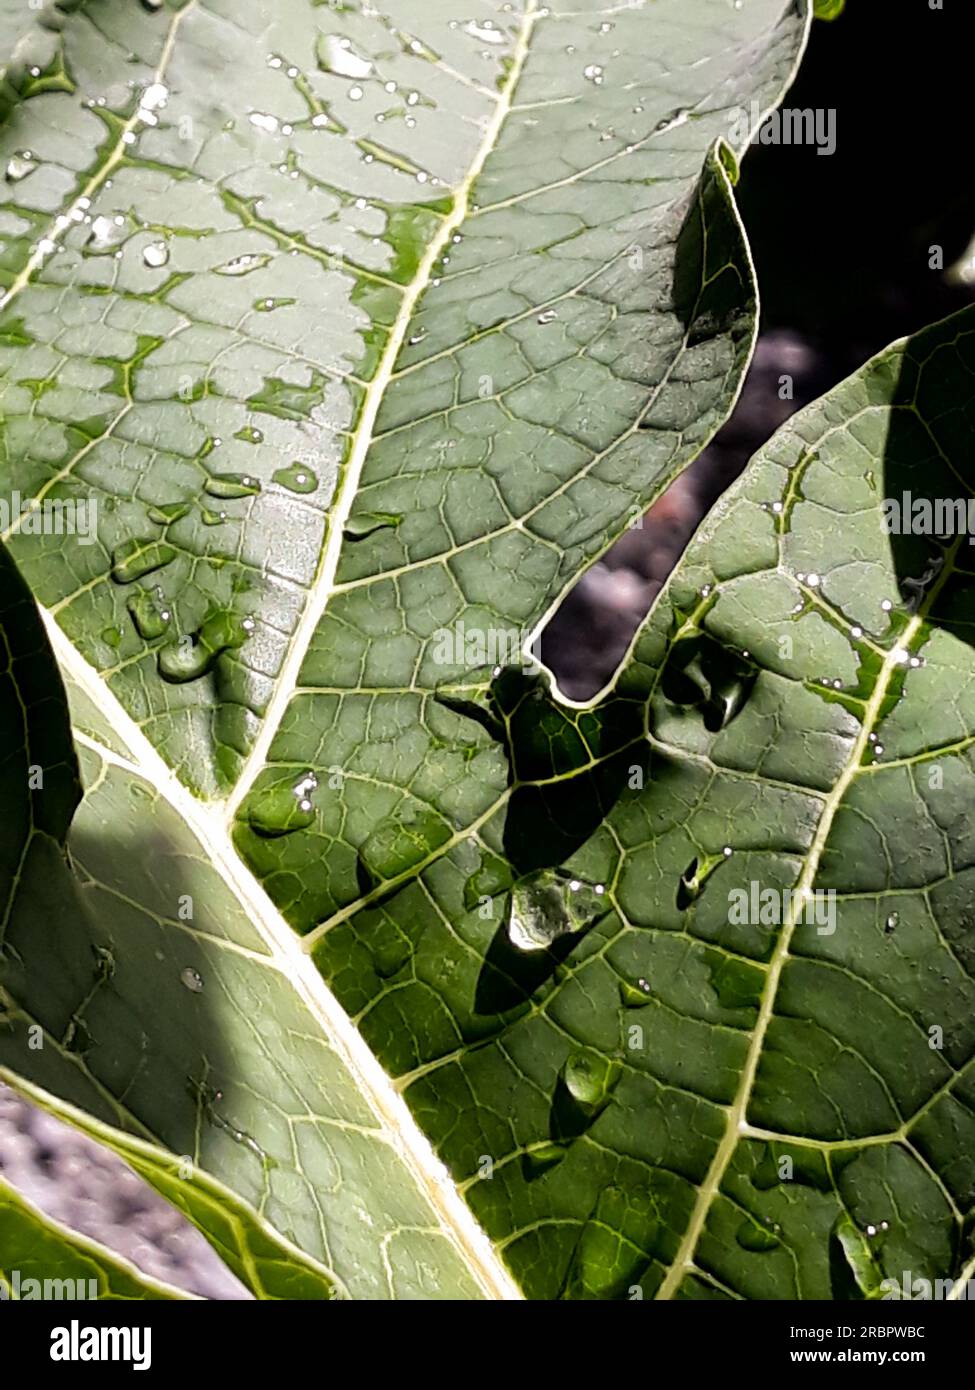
(19,166)
(150,622)
(547,317)
(890,924)
(135,558)
(337,56)
(263,121)
(106,233)
(364,524)
(228,485)
(755,1238)
(156,254)
(593,73)
(671,122)
(192,979)
(540,1159)
(589,1078)
(169,512)
(191,657)
(153,99)
(484,31)
(544,908)
(695,876)
(297,477)
(634,996)
(250,435)
(242,265)
(280,809)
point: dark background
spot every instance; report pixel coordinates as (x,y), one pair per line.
(842,248)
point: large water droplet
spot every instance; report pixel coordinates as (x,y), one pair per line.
(367,523)
(695,876)
(150,620)
(337,56)
(134,558)
(756,1238)
(19,166)
(671,122)
(106,234)
(168,512)
(229,485)
(541,1158)
(589,1078)
(280,809)
(417,48)
(153,99)
(484,32)
(248,434)
(192,979)
(634,996)
(242,265)
(156,254)
(547,906)
(191,657)
(854,1269)
(297,477)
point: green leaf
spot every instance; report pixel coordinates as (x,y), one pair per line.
(352,393)
(267,1264)
(829,9)
(234,300)
(702,1095)
(37,1250)
(173,1011)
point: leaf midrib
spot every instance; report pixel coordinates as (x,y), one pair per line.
(204,822)
(736,1125)
(342,503)
(115,152)
(211,822)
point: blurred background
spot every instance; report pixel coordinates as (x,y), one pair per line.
(843,248)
